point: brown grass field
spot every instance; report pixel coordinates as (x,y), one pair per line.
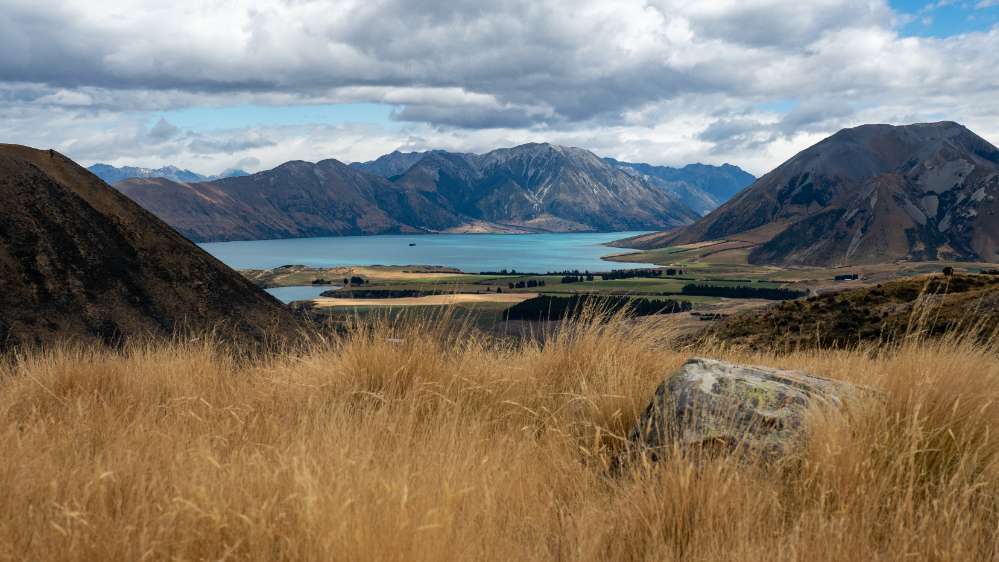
(430,300)
(421,439)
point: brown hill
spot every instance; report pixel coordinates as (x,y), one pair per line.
(80,260)
(870,194)
(925,306)
(295,200)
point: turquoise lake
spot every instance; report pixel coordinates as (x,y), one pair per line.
(300,292)
(533,253)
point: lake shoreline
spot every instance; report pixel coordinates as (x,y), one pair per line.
(469,253)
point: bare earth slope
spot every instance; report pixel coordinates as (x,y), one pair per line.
(78,259)
(870,194)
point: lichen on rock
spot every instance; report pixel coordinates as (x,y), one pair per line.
(753,409)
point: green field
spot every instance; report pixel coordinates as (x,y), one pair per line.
(647,287)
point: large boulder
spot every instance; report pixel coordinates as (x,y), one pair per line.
(713,404)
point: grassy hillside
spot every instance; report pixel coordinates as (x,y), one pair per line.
(925,305)
(422,440)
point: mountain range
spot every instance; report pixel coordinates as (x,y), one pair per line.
(536,187)
(80,260)
(868,194)
(112,174)
(701,187)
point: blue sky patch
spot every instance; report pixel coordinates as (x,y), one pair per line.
(946,18)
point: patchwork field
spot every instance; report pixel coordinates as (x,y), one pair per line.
(482,299)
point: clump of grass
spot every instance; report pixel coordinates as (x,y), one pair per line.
(419,438)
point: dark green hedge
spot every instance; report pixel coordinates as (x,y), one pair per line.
(550,307)
(742,292)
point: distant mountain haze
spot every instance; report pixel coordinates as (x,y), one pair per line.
(529,188)
(80,260)
(869,194)
(700,186)
(111,174)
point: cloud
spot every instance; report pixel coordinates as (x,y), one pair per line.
(740,130)
(163,130)
(778,23)
(248,163)
(228,144)
(583,59)
(666,79)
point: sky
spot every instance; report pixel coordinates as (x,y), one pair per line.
(216,84)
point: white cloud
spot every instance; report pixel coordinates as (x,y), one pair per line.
(666,81)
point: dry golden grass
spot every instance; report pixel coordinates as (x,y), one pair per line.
(448,299)
(425,441)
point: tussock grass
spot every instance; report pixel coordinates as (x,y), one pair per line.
(421,439)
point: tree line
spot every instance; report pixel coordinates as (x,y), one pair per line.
(742,292)
(550,307)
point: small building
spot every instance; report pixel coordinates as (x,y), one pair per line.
(847,277)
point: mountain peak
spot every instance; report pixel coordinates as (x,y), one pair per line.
(917,131)
(549,147)
(295,164)
(868,194)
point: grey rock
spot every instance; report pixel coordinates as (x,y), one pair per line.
(752,409)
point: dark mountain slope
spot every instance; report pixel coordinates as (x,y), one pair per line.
(295,200)
(393,164)
(574,183)
(78,259)
(870,194)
